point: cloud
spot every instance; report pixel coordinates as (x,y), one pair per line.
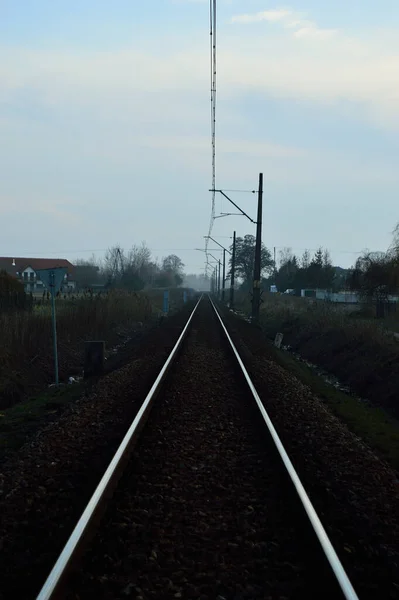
(138,87)
(271,16)
(290,20)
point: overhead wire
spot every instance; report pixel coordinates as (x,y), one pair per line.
(212,27)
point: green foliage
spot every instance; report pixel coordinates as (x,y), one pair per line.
(315,273)
(245,259)
(172,263)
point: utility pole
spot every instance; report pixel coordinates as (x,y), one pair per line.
(224,263)
(233,260)
(274,262)
(258,253)
(224,274)
(219,281)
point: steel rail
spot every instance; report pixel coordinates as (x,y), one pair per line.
(328,549)
(72,547)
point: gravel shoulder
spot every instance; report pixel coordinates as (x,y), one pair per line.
(46,484)
(355,492)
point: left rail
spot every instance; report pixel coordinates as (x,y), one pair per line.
(100,497)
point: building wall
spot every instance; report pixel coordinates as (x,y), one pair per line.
(33,284)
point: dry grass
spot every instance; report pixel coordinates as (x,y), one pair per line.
(353,346)
(26,360)
(358,350)
(26,334)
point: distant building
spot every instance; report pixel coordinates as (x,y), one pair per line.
(24,269)
(340,297)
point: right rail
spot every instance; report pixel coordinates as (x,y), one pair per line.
(328,549)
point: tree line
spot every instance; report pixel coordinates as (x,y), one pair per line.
(291,272)
(133,270)
(374,276)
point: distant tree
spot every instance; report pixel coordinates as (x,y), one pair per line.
(285,255)
(374,276)
(328,273)
(315,270)
(287,274)
(138,258)
(245,259)
(171,273)
(173,263)
(305,260)
(114,265)
(86,272)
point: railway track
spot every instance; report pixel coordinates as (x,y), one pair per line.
(208,505)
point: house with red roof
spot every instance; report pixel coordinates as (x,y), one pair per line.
(24,269)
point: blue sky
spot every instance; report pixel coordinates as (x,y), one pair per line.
(105,124)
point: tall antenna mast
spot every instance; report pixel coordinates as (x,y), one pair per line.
(212,18)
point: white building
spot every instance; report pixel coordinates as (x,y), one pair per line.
(24,269)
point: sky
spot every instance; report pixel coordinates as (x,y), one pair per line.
(105,125)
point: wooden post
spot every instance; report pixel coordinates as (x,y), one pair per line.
(94,358)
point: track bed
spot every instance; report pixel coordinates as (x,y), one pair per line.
(204,508)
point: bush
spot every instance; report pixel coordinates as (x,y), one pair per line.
(359,351)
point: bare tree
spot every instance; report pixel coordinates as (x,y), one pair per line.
(86,272)
(285,256)
(138,257)
(374,276)
(306,260)
(114,264)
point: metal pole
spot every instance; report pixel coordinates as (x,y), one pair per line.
(224,274)
(219,281)
(233,260)
(275,270)
(52,289)
(258,251)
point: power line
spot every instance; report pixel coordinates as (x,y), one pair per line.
(316,249)
(212,23)
(241,191)
(59,252)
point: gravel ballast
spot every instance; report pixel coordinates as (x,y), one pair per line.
(201,517)
(355,493)
(45,486)
(204,509)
